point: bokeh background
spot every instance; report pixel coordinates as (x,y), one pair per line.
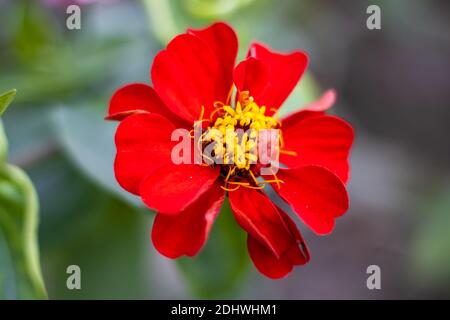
(393,86)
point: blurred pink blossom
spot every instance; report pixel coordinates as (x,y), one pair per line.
(68,2)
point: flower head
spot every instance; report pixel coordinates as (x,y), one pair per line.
(230,119)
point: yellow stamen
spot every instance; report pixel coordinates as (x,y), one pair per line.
(289,153)
(276,178)
(240,149)
(214,112)
(281,138)
(202,113)
(230,172)
(232,134)
(253,177)
(230,190)
(229,95)
(273,181)
(239,183)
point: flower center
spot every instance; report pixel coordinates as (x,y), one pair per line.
(231,141)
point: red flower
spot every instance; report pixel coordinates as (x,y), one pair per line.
(192,80)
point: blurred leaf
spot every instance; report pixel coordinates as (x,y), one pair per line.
(75,195)
(30,134)
(20,273)
(83,224)
(45,62)
(218,269)
(3,144)
(5,99)
(430,250)
(88,140)
(164,18)
(169,18)
(107,239)
(214,9)
(31,31)
(59,72)
(18,226)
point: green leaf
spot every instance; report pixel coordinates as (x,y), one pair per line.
(30,31)
(214,9)
(108,239)
(5,99)
(430,243)
(64,74)
(18,237)
(164,19)
(218,269)
(3,144)
(88,140)
(20,274)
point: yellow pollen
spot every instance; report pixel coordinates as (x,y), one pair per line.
(232,140)
(234,143)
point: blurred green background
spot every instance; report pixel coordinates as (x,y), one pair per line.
(392,86)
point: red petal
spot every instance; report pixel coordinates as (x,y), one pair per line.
(294,118)
(143,145)
(325,102)
(312,109)
(187,76)
(315,194)
(251,75)
(173,188)
(321,140)
(222,40)
(257,215)
(271,266)
(137,98)
(266,262)
(186,233)
(284,71)
(298,254)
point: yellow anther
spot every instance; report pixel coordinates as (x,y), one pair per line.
(229,110)
(234,144)
(251,157)
(238,108)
